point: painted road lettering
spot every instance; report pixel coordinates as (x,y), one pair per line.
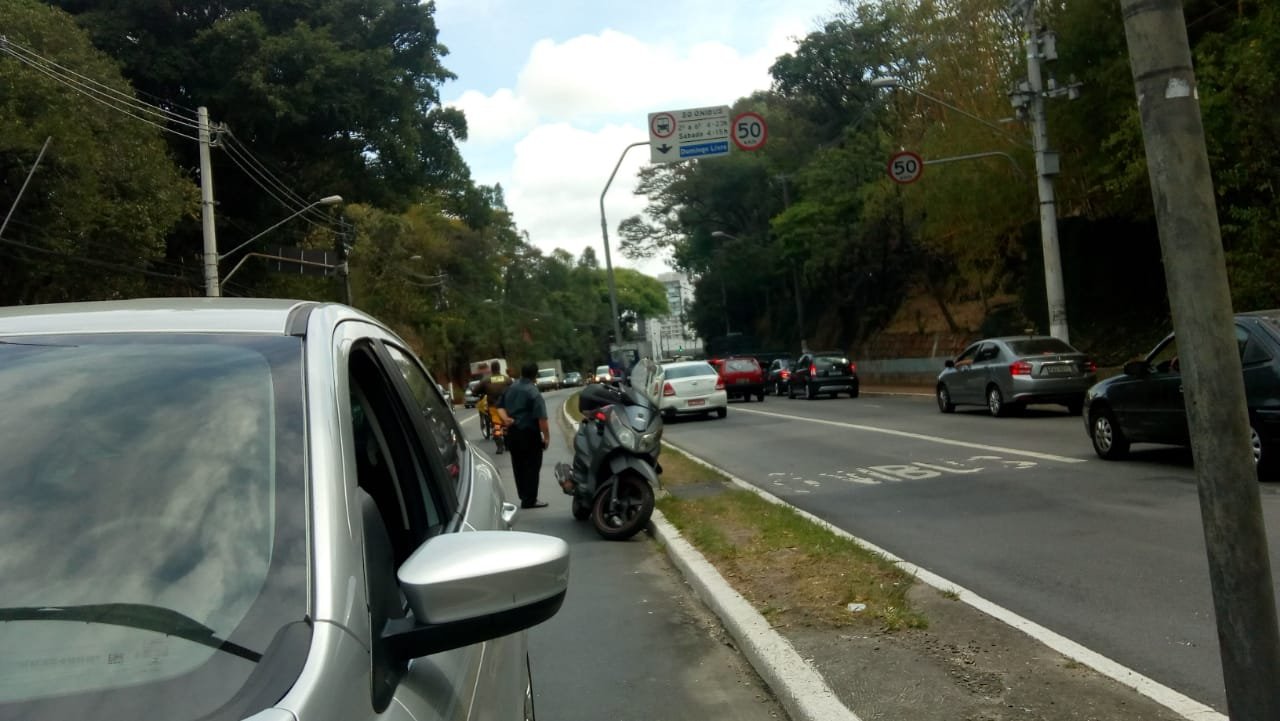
(899,472)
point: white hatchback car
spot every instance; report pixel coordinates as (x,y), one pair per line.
(693,387)
(235,508)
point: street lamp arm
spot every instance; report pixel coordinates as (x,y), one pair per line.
(895,83)
(328,200)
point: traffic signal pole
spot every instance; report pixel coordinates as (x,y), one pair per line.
(1199,296)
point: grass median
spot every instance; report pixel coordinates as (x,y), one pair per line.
(795,572)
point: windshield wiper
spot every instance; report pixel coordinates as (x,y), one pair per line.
(132,615)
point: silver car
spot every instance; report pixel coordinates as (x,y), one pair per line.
(691,387)
(1007,374)
(236,508)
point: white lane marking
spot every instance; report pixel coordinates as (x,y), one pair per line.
(1183,705)
(918,436)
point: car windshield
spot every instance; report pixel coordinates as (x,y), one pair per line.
(152,534)
(602,370)
(1039,346)
(830,360)
(547,373)
(688,371)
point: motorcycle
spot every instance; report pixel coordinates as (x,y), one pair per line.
(614,475)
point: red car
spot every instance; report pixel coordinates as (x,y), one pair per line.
(742,376)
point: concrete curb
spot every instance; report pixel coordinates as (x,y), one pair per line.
(801,690)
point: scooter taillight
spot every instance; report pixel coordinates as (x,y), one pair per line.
(600,415)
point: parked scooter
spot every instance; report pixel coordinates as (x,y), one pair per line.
(615,468)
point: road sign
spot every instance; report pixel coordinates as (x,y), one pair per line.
(676,135)
(749,131)
(905,167)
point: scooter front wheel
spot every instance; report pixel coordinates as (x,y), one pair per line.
(621,515)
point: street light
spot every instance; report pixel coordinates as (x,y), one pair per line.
(1046,168)
(213,287)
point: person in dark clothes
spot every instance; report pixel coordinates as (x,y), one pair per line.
(525,414)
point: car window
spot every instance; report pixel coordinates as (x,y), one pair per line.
(741,365)
(988,352)
(968,355)
(1252,350)
(831,360)
(445,433)
(152,484)
(1039,346)
(688,371)
(1164,359)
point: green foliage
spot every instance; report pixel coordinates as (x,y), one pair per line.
(94,218)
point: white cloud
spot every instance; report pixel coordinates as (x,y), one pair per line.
(499,117)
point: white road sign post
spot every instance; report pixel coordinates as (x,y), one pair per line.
(905,167)
(676,135)
(749,131)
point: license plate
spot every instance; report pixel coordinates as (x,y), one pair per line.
(697,401)
(741,381)
(1058,370)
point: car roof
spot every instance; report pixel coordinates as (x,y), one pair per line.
(681,364)
(164,315)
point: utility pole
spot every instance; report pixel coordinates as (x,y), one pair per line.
(1029,98)
(211,287)
(608,261)
(1199,296)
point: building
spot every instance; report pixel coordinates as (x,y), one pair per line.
(670,335)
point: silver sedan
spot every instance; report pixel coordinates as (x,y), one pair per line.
(1007,374)
(691,387)
(232,508)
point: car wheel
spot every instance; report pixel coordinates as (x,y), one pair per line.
(995,402)
(722,412)
(791,391)
(760,396)
(1263,455)
(856,390)
(808,392)
(746,398)
(944,399)
(777,389)
(1109,441)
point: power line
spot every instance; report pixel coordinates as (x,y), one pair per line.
(26,55)
(35,231)
(269,191)
(235,147)
(98,263)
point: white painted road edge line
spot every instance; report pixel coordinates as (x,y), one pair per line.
(1180,704)
(918,436)
(801,690)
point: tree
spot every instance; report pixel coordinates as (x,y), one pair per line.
(92,222)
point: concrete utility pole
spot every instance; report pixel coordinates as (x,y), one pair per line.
(1195,271)
(608,262)
(211,287)
(1040,45)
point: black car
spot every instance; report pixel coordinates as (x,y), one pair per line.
(1145,403)
(778,376)
(820,372)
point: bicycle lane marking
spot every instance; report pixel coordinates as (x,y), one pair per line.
(920,437)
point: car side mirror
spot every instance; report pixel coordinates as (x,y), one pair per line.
(1136,368)
(949,363)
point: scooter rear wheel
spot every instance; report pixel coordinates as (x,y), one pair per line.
(621,518)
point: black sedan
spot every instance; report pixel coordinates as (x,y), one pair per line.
(778,376)
(1145,403)
(823,372)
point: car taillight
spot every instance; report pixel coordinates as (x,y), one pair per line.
(786,375)
(1090,367)
(853,367)
(813,370)
(719,384)
(667,390)
(1020,368)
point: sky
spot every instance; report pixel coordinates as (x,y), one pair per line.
(555,90)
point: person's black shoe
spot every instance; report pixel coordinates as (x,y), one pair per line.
(535,504)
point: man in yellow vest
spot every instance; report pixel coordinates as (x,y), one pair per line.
(492,388)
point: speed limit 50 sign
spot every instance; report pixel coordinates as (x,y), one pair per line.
(905,167)
(749,131)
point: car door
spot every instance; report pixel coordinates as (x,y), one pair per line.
(964,383)
(990,366)
(401,494)
(800,372)
(1155,404)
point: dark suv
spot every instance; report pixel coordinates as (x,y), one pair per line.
(819,372)
(743,377)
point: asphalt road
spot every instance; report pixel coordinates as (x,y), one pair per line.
(1019,510)
(631,642)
